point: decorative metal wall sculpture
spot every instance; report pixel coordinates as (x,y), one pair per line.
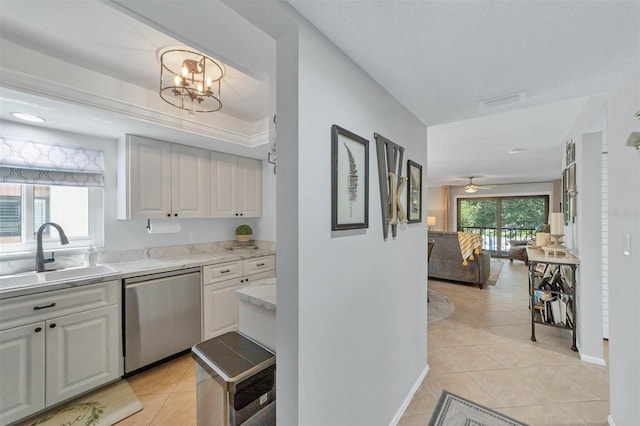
(391,184)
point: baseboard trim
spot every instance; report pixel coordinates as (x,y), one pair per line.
(593,360)
(610,420)
(409,397)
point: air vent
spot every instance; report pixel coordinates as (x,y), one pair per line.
(518,97)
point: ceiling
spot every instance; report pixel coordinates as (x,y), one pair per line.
(102,42)
(442,58)
(438,58)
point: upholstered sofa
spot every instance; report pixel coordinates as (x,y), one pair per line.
(446,261)
(518,248)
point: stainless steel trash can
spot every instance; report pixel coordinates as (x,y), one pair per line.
(235,382)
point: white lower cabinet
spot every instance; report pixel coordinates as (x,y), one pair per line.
(220,306)
(79,352)
(57,345)
(21,371)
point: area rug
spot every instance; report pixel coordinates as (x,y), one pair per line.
(496,268)
(455,410)
(439,306)
(104,407)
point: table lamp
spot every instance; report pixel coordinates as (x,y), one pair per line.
(431,221)
(556,221)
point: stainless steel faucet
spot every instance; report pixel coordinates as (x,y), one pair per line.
(40,260)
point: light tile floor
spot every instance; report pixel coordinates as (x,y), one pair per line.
(168,393)
(481,352)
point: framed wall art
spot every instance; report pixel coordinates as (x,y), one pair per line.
(349,180)
(570,152)
(572,178)
(414,192)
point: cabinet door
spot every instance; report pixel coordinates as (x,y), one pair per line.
(83,352)
(224,185)
(149,179)
(220,308)
(21,371)
(249,187)
(190,182)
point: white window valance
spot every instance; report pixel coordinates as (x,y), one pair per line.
(37,163)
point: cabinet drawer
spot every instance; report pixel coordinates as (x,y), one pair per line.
(259,264)
(221,272)
(236,282)
(256,277)
(38,307)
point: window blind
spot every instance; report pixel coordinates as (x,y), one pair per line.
(38,163)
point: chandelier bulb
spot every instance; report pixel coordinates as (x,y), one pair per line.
(185,71)
(208,81)
(199,87)
(177,80)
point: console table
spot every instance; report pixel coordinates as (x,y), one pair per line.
(552,291)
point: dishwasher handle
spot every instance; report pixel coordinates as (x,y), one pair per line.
(160,275)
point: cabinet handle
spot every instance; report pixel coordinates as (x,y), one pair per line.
(236,214)
(168,214)
(38,329)
(175,214)
(37,308)
(240,214)
(225,271)
(260,264)
(52,325)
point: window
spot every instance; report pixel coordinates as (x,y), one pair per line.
(502,219)
(49,182)
(24,208)
(10,217)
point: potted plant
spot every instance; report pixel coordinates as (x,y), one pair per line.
(244,233)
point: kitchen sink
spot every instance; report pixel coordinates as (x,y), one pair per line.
(78,272)
(69,274)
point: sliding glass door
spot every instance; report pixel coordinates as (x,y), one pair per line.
(502,219)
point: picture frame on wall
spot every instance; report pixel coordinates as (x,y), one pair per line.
(565,195)
(349,180)
(570,149)
(572,178)
(414,192)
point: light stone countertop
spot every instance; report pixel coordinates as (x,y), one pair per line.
(130,269)
(538,256)
(261,293)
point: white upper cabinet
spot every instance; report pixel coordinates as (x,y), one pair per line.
(236,188)
(190,183)
(160,180)
(224,185)
(249,187)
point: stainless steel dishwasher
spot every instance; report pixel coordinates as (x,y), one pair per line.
(161,316)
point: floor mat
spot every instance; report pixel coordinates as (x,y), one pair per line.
(455,410)
(103,407)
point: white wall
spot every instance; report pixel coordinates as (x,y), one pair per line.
(352,335)
(624,218)
(131,234)
(434,206)
(624,271)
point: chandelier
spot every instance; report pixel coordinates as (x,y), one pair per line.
(190,81)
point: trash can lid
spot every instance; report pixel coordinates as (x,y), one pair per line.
(232,356)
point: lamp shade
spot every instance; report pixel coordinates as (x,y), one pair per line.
(556,220)
(431,220)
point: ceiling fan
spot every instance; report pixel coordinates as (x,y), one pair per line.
(471,187)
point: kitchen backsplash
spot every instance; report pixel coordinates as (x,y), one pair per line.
(17,266)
